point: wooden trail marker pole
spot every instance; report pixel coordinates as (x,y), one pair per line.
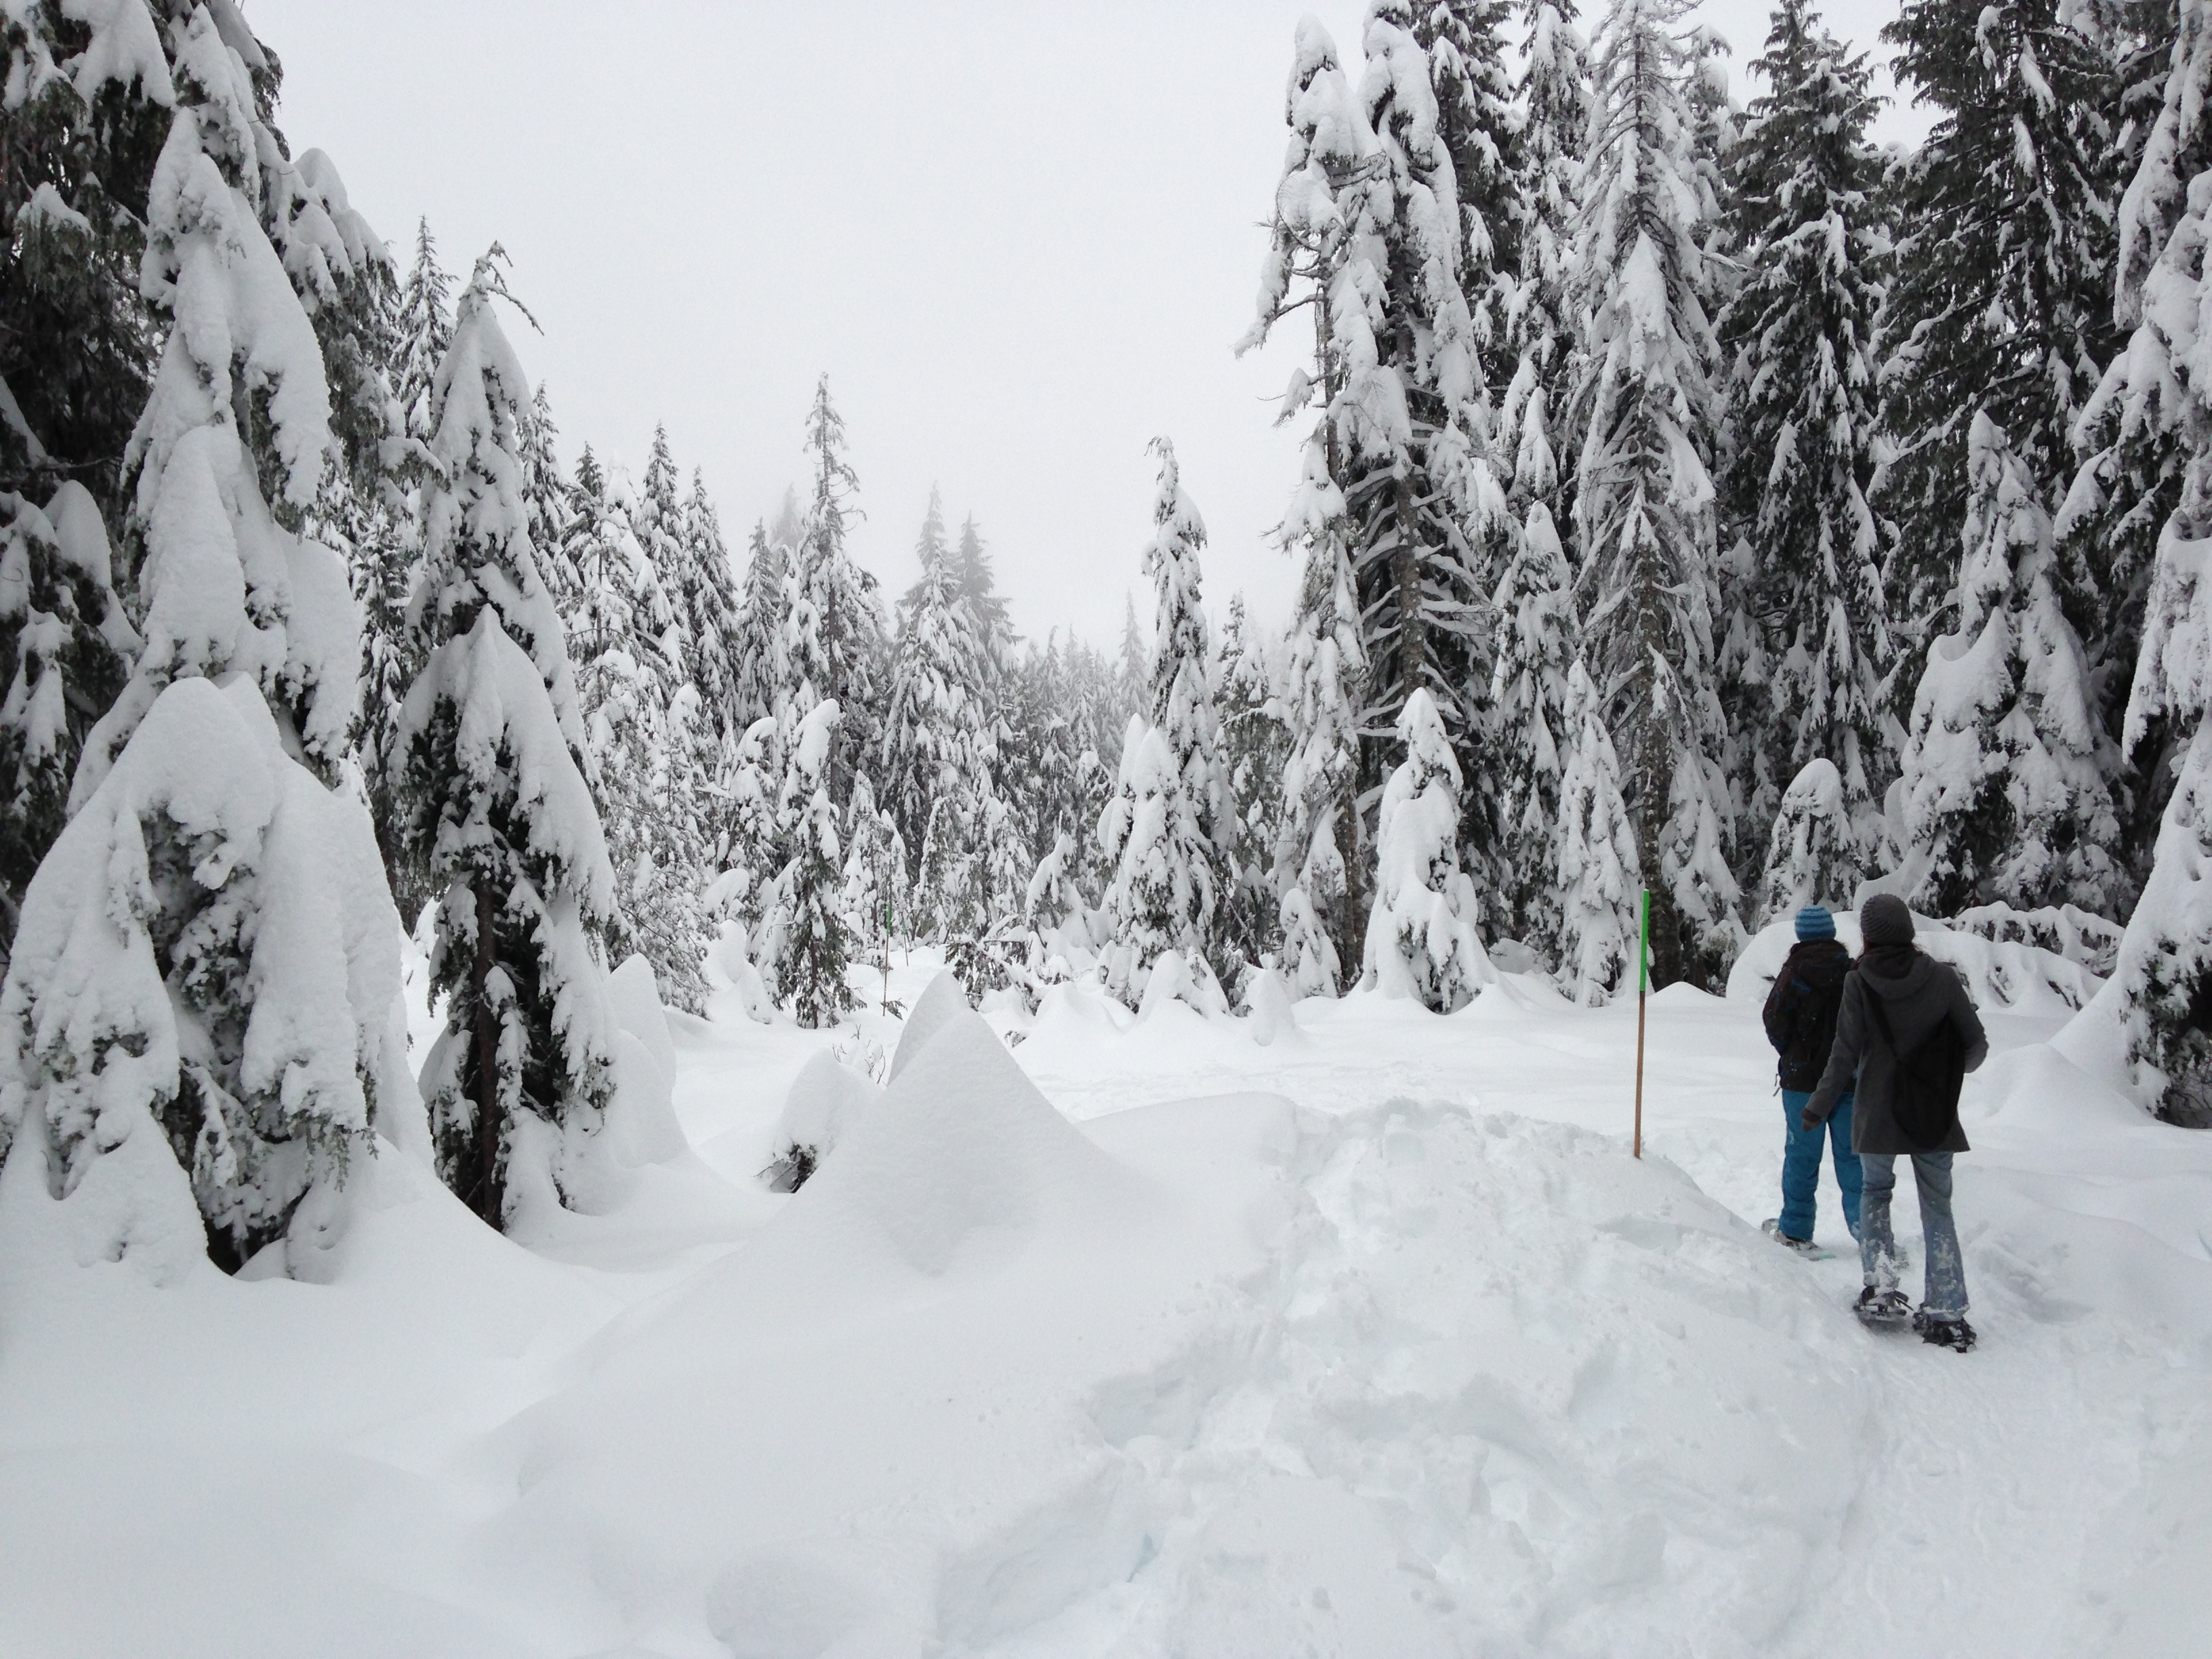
(1643,978)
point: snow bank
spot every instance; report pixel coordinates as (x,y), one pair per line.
(2000,974)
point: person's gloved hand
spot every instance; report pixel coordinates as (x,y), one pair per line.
(1808,1119)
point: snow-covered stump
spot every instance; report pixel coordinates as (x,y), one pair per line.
(1421,937)
(198,1029)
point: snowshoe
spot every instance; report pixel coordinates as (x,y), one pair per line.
(1883,1311)
(1955,1334)
(1805,1247)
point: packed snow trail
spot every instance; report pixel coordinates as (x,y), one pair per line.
(1370,1340)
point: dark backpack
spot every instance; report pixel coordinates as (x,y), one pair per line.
(1924,1097)
(1800,1015)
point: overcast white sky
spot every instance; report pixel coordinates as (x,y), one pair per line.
(1020,235)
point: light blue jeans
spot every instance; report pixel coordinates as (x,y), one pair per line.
(1946,1296)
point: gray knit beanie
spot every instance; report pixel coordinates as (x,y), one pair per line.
(1885,919)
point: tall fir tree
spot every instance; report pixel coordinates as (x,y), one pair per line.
(501,814)
(1317,844)
(2006,766)
(1645,498)
(834,631)
(759,666)
(1253,748)
(936,752)
(423,331)
(2003,298)
(1797,339)
(1534,441)
(1597,858)
(1480,132)
(1537,636)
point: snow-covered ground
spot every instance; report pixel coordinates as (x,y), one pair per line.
(1149,1338)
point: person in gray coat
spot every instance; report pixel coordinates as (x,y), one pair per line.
(1917,994)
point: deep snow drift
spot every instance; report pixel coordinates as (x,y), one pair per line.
(1146,1337)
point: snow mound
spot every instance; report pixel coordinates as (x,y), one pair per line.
(825,1100)
(635,996)
(941,1002)
(2002,974)
(963,1147)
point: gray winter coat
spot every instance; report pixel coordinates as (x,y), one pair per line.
(1929,993)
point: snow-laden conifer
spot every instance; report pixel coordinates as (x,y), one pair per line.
(1422,938)
(759,667)
(1597,858)
(1480,132)
(2006,766)
(937,748)
(1797,339)
(2003,302)
(199,1015)
(1317,844)
(65,648)
(2161,986)
(1181,706)
(1645,498)
(1537,635)
(1533,436)
(1367,231)
(501,814)
(711,606)
(833,624)
(1814,854)
(1253,746)
(423,331)
(223,586)
(809,943)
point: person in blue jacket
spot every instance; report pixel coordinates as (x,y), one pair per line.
(1800,1017)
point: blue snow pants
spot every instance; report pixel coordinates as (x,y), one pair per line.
(1946,1296)
(1801,1165)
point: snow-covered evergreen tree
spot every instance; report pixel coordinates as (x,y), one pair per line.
(1814,855)
(1421,934)
(1532,444)
(1253,747)
(811,941)
(875,871)
(1797,336)
(253,598)
(833,629)
(2160,991)
(2002,301)
(1367,230)
(1597,858)
(708,597)
(424,332)
(1181,706)
(759,666)
(2006,766)
(85,102)
(500,812)
(1480,132)
(1645,498)
(1537,632)
(65,647)
(1317,844)
(937,747)
(199,1003)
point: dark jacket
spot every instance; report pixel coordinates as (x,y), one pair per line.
(1802,1010)
(1929,992)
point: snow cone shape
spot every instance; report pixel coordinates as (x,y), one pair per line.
(198,1013)
(963,1148)
(941,1002)
(1421,940)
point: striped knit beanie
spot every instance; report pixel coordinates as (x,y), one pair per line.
(1813,922)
